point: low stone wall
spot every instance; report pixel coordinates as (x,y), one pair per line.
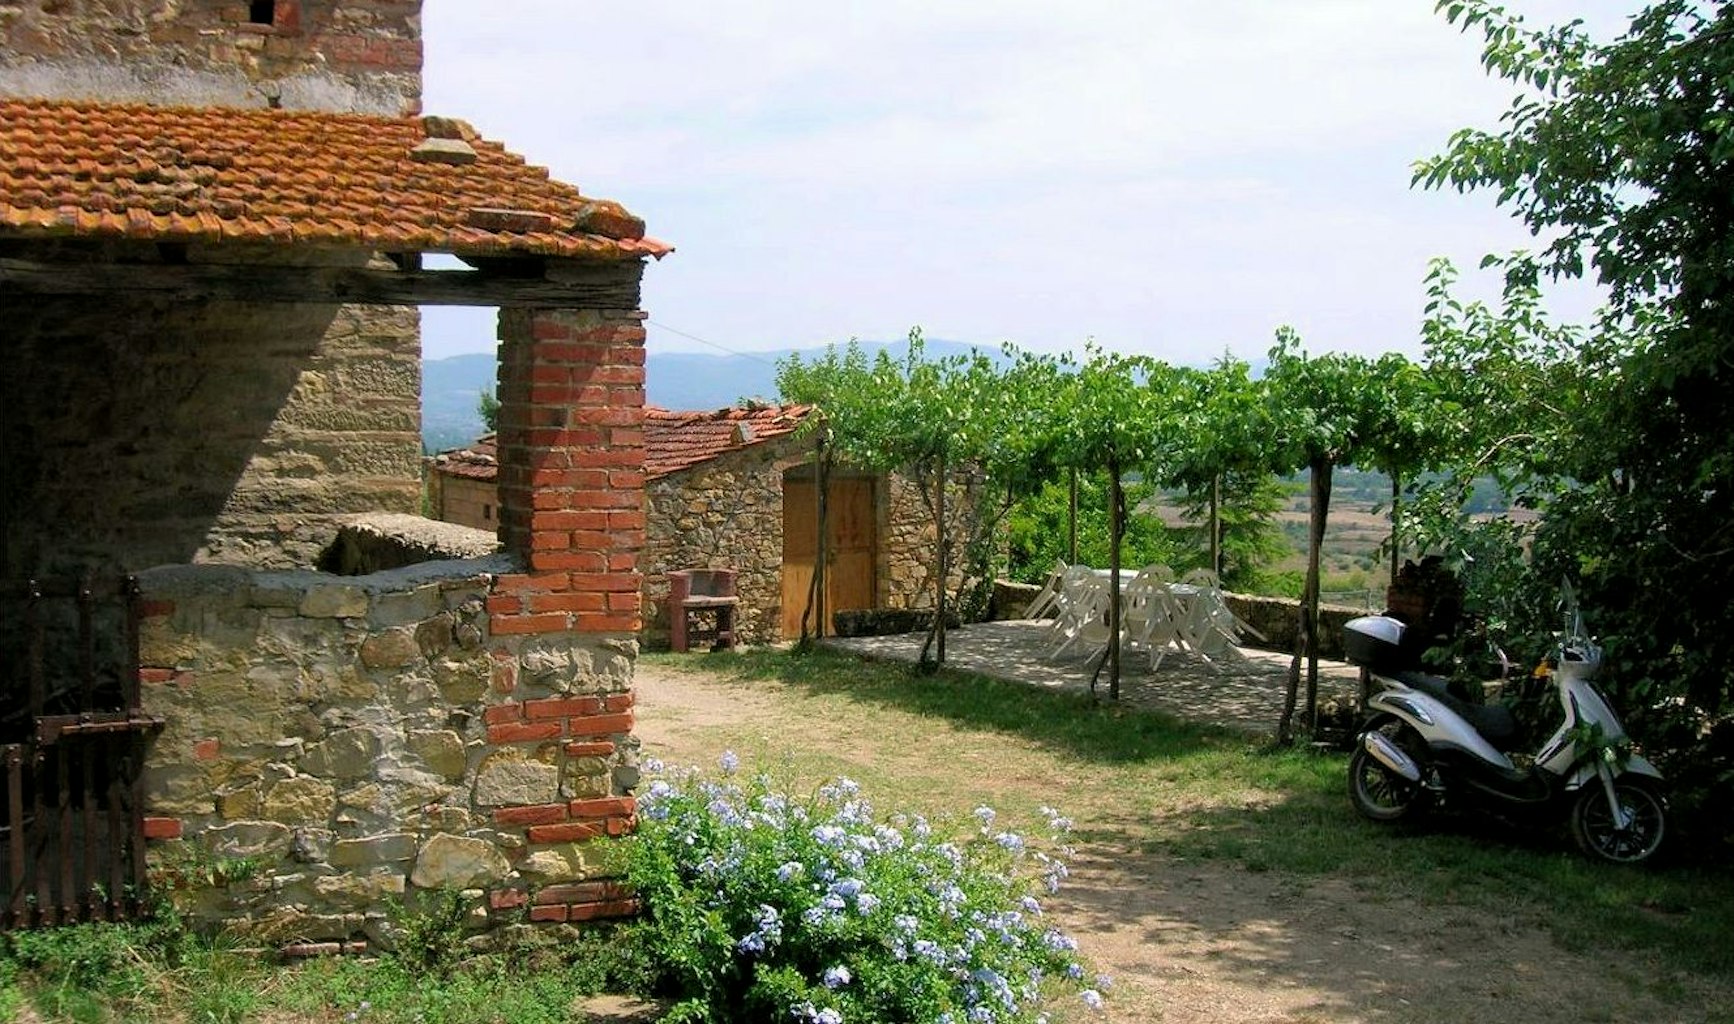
(341,742)
(1278,618)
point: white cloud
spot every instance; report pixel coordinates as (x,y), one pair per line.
(1164,177)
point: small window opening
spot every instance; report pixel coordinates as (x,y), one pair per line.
(488,512)
(262,12)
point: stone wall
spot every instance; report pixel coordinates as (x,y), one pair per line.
(906,559)
(144,432)
(361,738)
(358,56)
(726,513)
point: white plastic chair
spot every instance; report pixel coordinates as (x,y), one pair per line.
(1150,617)
(1048,599)
(1083,617)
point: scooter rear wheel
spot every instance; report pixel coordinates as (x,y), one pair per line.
(1600,835)
(1380,794)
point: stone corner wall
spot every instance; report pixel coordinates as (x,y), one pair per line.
(723,514)
(356,739)
(908,538)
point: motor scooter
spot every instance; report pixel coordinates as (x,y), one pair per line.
(1423,748)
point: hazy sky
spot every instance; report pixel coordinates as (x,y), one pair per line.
(1173,177)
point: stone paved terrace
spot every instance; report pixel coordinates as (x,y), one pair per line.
(1245,695)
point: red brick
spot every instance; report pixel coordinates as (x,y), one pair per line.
(577,520)
(626,478)
(568,602)
(592,540)
(162,828)
(626,396)
(155,675)
(633,519)
(603,749)
(617,582)
(621,826)
(561,707)
(623,561)
(587,562)
(544,328)
(519,583)
(504,604)
(582,892)
(619,701)
(208,750)
(569,832)
(520,624)
(607,416)
(504,674)
(608,908)
(500,714)
(507,899)
(600,725)
(535,814)
(623,602)
(617,806)
(549,540)
(615,455)
(526,732)
(553,913)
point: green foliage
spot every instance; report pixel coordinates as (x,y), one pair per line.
(1620,153)
(430,933)
(761,906)
(1036,530)
(488,408)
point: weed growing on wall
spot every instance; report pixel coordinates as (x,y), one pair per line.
(760,906)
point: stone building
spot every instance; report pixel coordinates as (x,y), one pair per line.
(734,489)
(212,221)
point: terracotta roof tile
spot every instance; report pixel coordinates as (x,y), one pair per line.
(76,169)
(673,440)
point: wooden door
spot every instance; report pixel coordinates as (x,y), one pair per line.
(852,547)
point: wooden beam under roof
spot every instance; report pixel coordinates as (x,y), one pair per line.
(521,283)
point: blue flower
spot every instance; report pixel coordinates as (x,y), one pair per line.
(729,762)
(985,815)
(788,870)
(837,977)
(1092,998)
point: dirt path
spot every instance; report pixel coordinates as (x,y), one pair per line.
(1191,942)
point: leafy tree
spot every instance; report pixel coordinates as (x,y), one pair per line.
(1106,415)
(933,419)
(488,408)
(1224,464)
(1621,155)
(1325,407)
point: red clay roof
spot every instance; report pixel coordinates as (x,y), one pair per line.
(77,169)
(673,440)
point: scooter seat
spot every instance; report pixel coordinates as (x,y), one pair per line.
(1493,721)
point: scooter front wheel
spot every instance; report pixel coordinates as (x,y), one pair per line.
(1378,793)
(1629,838)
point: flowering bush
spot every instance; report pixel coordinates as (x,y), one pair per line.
(760,907)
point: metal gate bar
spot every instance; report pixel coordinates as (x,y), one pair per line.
(74,817)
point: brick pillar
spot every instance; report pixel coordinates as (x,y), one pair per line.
(571,476)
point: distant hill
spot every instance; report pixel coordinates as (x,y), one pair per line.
(673,380)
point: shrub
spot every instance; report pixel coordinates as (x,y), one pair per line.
(760,907)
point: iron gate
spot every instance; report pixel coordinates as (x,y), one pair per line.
(72,744)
